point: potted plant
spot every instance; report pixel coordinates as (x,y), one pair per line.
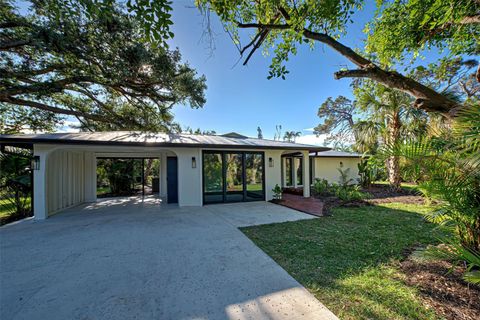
(277,193)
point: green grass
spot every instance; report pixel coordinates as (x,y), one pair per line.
(404,185)
(349,260)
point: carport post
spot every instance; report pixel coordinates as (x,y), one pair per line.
(39,184)
(143,177)
(306,173)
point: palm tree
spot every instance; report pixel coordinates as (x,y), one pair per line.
(390,119)
(291,136)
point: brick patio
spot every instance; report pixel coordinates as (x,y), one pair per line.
(310,205)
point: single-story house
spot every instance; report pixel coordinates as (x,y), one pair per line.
(194,169)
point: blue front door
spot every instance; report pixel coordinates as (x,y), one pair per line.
(172,180)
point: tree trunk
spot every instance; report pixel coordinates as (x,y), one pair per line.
(393,162)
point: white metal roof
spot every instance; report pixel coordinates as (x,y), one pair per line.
(136,138)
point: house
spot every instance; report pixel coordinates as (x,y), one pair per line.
(194,169)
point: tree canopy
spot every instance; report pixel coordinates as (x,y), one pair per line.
(89,64)
(402,27)
(285,25)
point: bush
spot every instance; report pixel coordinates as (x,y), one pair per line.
(277,192)
(320,186)
(349,193)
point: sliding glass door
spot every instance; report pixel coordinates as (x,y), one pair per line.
(233,176)
(254,176)
(212,177)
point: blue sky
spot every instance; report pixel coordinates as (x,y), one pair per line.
(241,98)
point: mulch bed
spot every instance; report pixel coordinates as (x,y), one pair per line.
(378,194)
(384,194)
(443,289)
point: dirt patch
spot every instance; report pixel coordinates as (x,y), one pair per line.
(443,289)
(378,194)
(384,194)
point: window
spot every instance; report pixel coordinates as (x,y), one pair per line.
(233,176)
(213,177)
(288,172)
(299,170)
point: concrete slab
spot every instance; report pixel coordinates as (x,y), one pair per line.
(128,259)
(256,213)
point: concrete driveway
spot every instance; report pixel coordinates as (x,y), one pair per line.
(134,259)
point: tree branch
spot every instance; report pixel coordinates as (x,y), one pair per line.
(426,98)
(45,107)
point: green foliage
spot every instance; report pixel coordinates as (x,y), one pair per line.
(344,179)
(80,61)
(277,192)
(411,26)
(120,174)
(349,193)
(344,191)
(291,136)
(15,185)
(153,17)
(321,186)
(449,168)
(457,254)
(366,172)
(331,17)
(338,119)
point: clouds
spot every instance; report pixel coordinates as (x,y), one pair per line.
(311,139)
(69,126)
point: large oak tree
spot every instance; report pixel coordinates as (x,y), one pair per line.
(94,65)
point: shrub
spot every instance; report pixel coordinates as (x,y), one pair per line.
(277,192)
(321,187)
(350,193)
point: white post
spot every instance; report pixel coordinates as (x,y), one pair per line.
(163,176)
(40,210)
(294,172)
(306,174)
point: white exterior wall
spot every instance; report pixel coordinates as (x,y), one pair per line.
(326,168)
(189,179)
(273,175)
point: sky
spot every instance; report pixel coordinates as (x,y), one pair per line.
(241,98)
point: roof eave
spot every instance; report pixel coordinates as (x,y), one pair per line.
(23,141)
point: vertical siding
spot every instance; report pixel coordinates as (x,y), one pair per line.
(65,180)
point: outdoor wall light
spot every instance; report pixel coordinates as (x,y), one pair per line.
(194,162)
(270,162)
(35,164)
(341,164)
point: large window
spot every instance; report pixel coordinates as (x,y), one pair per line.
(233,176)
(254,176)
(293,171)
(299,171)
(288,172)
(213,177)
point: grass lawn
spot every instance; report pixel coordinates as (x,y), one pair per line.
(404,185)
(349,261)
